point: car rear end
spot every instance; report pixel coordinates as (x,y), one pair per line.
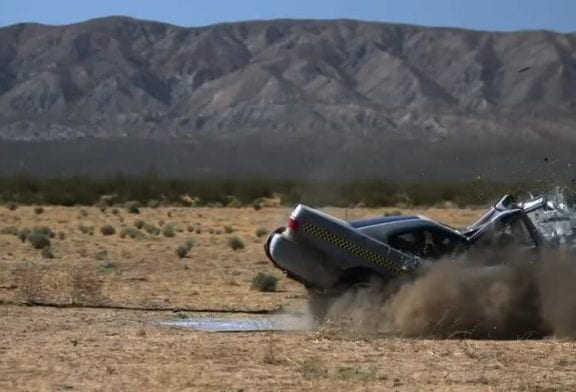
(317,250)
(289,250)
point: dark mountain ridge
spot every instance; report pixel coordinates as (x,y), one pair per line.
(324,88)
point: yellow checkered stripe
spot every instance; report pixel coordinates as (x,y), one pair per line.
(350,246)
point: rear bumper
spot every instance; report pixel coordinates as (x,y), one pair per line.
(298,262)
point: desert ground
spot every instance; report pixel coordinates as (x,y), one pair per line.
(86,316)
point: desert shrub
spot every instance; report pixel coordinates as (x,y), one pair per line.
(187,202)
(182,251)
(47,253)
(234,202)
(115,211)
(11,206)
(11,230)
(133,207)
(101,255)
(139,224)
(86,229)
(261,232)
(102,205)
(131,232)
(264,282)
(153,203)
(151,229)
(82,213)
(38,210)
(107,266)
(372,193)
(190,243)
(61,235)
(38,240)
(44,230)
(313,368)
(168,231)
(257,206)
(23,234)
(228,229)
(198,230)
(107,230)
(235,243)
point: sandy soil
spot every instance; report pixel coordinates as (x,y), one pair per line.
(45,348)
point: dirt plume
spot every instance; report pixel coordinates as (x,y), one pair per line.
(557,289)
(513,297)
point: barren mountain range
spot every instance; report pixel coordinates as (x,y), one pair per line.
(284,98)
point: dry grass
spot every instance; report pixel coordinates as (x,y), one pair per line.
(152,274)
(95,349)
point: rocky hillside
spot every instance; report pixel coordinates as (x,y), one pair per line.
(345,84)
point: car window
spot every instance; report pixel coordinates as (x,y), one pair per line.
(426,243)
(411,242)
(378,232)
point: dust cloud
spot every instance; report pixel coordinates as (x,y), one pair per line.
(513,297)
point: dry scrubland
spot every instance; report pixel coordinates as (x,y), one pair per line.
(78,348)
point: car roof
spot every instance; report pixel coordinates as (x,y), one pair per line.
(418,221)
(382,219)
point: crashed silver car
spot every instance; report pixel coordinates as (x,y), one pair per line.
(330,255)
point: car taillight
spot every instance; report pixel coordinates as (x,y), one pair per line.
(293,224)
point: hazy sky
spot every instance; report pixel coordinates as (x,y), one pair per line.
(559,15)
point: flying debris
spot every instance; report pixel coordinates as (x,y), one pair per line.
(331,256)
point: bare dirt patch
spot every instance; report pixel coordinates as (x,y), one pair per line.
(94,349)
